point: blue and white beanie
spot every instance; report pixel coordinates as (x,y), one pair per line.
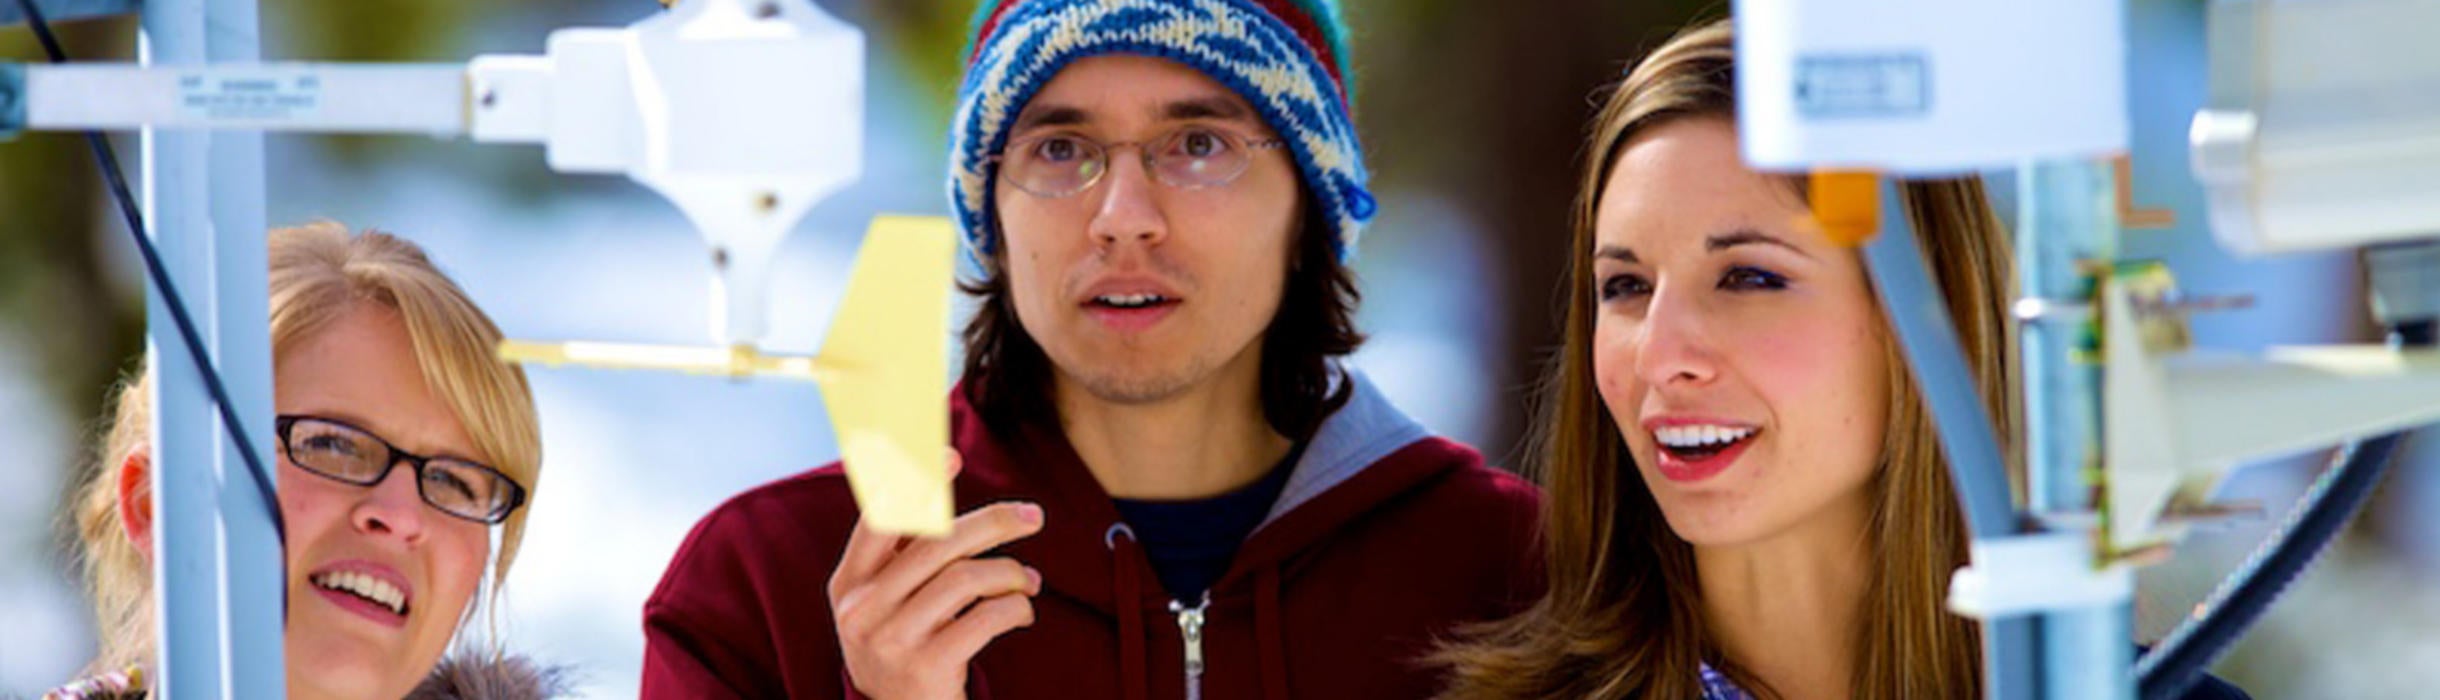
(1285,57)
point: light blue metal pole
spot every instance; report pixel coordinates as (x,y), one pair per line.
(257,563)
(2067,219)
(1919,315)
(218,565)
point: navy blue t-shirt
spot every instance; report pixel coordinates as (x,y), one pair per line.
(1190,543)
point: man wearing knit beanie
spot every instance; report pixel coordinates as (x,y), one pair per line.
(1172,487)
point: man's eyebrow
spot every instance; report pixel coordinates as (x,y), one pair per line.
(1213,107)
(1041,115)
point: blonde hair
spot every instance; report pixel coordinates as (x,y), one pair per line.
(318,273)
(1622,616)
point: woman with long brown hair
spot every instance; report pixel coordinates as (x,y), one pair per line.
(1744,493)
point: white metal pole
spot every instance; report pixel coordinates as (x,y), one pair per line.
(218,564)
(256,563)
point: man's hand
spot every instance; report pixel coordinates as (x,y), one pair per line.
(913,612)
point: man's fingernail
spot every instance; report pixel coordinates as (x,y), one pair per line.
(1030,513)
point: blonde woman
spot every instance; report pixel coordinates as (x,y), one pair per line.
(1744,496)
(401,445)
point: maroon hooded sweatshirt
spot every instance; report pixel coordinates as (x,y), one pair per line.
(1384,539)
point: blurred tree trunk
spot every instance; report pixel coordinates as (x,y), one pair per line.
(74,317)
(72,320)
(1558,57)
(1489,103)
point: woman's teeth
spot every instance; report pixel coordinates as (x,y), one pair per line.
(366,587)
(1699,436)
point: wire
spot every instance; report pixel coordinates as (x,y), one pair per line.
(109,161)
(2178,662)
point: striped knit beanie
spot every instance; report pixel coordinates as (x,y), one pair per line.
(1287,58)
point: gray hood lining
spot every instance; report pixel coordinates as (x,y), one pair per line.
(1360,433)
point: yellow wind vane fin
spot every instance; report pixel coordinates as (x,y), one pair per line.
(883,371)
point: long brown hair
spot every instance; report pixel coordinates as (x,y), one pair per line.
(1622,616)
(318,272)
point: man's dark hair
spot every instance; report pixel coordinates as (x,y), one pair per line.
(1008,378)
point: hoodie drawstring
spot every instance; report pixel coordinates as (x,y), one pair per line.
(1272,644)
(1133,678)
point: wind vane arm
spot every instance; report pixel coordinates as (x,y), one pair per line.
(882,370)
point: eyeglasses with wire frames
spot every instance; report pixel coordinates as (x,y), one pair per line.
(1191,157)
(351,455)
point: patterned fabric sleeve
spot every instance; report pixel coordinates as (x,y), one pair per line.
(1717,686)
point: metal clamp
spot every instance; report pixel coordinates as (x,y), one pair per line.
(2035,573)
(2405,281)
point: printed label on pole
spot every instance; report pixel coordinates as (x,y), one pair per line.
(250,97)
(1863,85)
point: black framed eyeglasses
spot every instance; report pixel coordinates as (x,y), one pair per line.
(1193,157)
(348,454)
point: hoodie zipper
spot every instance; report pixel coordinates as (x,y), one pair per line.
(1190,631)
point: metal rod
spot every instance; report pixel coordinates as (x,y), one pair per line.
(1919,315)
(295,97)
(218,566)
(2067,223)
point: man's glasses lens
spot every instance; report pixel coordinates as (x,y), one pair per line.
(1060,165)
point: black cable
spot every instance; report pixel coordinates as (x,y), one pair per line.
(169,292)
(2179,660)
(2419,333)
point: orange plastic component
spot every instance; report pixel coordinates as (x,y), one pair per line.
(2130,216)
(1847,204)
